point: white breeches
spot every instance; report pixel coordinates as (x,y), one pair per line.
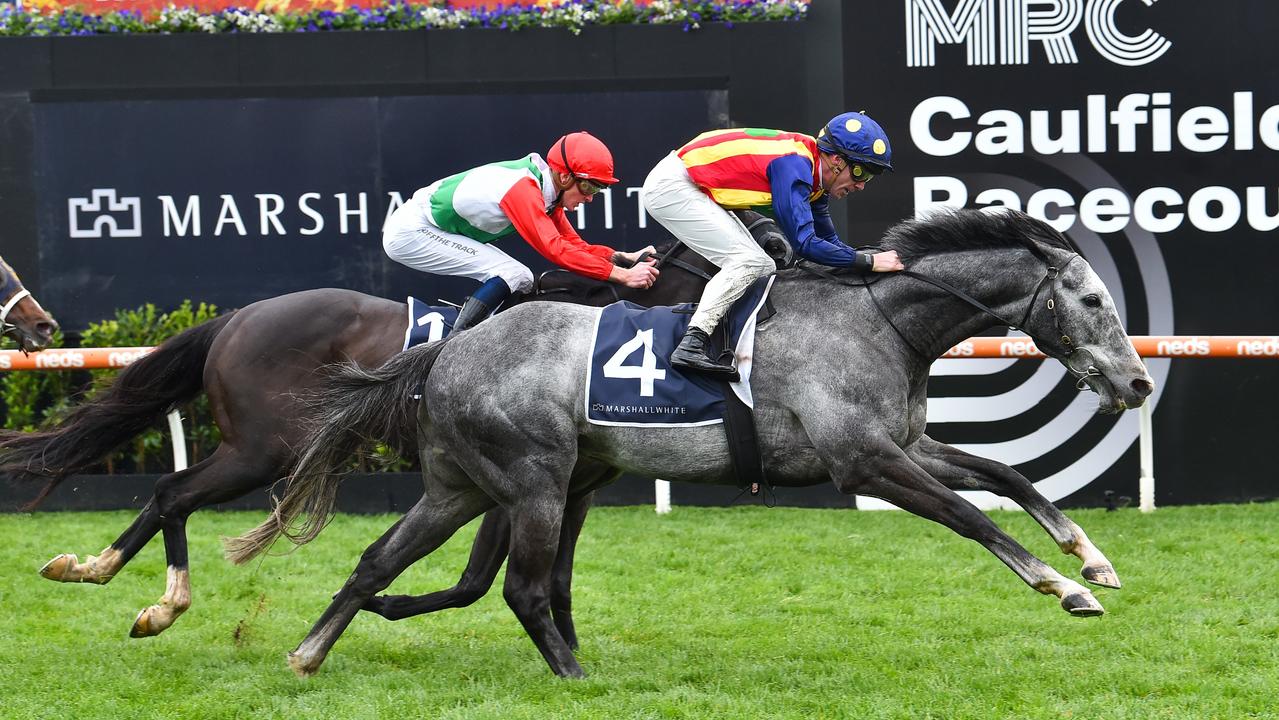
(410,238)
(671,197)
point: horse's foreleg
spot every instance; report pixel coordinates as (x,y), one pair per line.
(886,472)
(959,470)
(488,552)
(222,476)
(425,527)
(101,568)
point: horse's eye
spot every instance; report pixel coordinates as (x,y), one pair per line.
(1093,301)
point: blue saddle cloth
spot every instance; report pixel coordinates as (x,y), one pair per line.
(630,380)
(427,322)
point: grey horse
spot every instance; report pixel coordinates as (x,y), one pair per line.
(839,378)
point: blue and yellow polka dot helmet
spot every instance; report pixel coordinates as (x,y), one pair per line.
(858,138)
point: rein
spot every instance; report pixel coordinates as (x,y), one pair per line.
(668,257)
(1049,280)
(663,260)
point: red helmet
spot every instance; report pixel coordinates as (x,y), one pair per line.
(582,155)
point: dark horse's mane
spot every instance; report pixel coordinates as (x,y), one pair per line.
(959,230)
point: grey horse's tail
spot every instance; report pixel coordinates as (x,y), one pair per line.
(354,406)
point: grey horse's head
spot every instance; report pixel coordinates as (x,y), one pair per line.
(1098,350)
(1074,320)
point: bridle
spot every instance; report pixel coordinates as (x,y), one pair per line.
(1072,354)
(7,327)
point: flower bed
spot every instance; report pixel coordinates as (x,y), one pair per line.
(16,20)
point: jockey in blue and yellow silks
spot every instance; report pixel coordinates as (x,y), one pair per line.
(789,175)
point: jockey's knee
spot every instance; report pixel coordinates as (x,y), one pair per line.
(755,265)
(518,279)
(762,265)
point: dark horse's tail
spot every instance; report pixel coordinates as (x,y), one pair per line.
(353,407)
(149,387)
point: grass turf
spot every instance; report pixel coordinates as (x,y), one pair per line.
(706,613)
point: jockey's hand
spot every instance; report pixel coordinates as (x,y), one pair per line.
(641,276)
(886,261)
(627,259)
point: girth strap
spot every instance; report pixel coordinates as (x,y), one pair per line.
(743,443)
(739,429)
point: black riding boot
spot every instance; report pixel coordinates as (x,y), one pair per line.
(693,354)
(473,311)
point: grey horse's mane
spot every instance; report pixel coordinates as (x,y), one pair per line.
(959,230)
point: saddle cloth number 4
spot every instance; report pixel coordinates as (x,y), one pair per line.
(646,372)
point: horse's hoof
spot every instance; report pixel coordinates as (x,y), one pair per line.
(59,568)
(147,623)
(1082,604)
(300,667)
(1102,575)
(572,672)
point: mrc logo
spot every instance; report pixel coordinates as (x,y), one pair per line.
(999,32)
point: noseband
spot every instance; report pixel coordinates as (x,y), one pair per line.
(7,327)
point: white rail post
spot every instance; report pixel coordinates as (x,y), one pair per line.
(1146,485)
(179,441)
(662,489)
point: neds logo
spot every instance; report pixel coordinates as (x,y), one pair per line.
(1189,347)
(999,32)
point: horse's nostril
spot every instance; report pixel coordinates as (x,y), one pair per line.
(1143,387)
(46,329)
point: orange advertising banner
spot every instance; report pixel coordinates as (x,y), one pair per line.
(1180,346)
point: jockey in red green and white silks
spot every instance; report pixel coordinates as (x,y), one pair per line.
(448,227)
(784,174)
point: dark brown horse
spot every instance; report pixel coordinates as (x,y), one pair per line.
(21,317)
(252,363)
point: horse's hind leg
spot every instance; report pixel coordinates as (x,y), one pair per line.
(535,534)
(488,552)
(225,475)
(959,470)
(887,473)
(101,568)
(425,527)
(562,573)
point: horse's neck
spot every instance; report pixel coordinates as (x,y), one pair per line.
(934,320)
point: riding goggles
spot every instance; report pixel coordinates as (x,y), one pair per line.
(862,172)
(589,187)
